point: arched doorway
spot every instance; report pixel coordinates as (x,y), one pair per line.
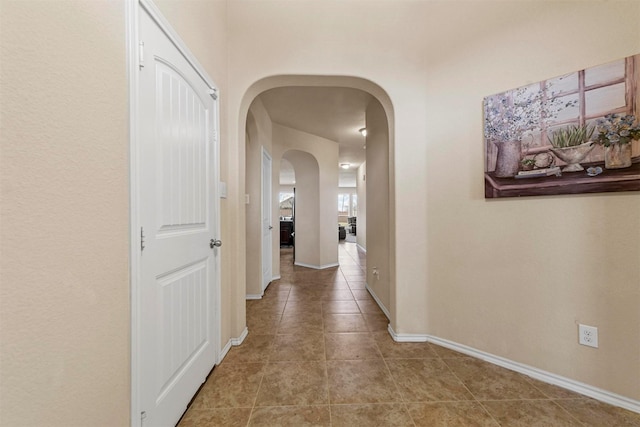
(379,114)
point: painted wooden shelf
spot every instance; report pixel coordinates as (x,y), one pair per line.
(627,179)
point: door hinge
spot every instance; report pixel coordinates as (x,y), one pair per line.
(141,55)
(143,415)
(213,93)
(141,239)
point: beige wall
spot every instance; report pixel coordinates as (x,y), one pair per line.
(64,296)
(520,274)
(377,189)
(494,275)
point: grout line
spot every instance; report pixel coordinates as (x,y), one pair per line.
(568,412)
(255,399)
(403,402)
(475,399)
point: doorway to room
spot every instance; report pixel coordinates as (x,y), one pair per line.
(301,113)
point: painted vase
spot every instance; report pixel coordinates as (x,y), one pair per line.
(617,156)
(572,156)
(508,160)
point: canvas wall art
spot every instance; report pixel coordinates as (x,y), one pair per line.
(577,133)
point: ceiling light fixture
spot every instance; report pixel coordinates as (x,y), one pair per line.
(363,131)
(345,165)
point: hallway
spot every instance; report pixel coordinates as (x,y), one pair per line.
(318,353)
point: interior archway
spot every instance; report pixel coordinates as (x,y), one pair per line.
(252,216)
(307,172)
(385,108)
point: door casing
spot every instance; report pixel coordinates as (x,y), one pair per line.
(134,57)
(266,219)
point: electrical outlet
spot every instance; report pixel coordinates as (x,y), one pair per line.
(588,335)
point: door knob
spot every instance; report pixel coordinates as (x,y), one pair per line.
(216,243)
(270,227)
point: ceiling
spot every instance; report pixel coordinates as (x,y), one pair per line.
(334,113)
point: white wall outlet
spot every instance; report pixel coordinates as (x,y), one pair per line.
(588,335)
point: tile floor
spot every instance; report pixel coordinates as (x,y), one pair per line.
(318,354)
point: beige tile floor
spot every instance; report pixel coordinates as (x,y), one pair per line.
(318,354)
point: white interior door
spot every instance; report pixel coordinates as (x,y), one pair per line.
(267,225)
(178,218)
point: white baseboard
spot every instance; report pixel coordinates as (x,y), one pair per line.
(544,376)
(259,296)
(380,304)
(232,343)
(361,248)
(223,352)
(316,267)
(240,339)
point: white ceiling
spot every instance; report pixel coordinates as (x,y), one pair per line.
(333,113)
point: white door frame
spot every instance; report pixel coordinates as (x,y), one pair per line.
(269,261)
(135,57)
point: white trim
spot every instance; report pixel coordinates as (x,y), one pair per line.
(232,343)
(316,267)
(223,352)
(380,304)
(256,296)
(539,374)
(168,30)
(131,30)
(361,248)
(240,339)
(265,155)
(217,303)
(132,41)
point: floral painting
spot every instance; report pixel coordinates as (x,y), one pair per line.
(577,133)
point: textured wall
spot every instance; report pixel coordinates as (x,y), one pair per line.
(514,277)
(377,202)
(64,297)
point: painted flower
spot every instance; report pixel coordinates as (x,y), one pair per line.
(616,129)
(508,116)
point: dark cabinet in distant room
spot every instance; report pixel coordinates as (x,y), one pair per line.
(352,224)
(286,233)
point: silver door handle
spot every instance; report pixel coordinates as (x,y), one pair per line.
(215,242)
(270,227)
